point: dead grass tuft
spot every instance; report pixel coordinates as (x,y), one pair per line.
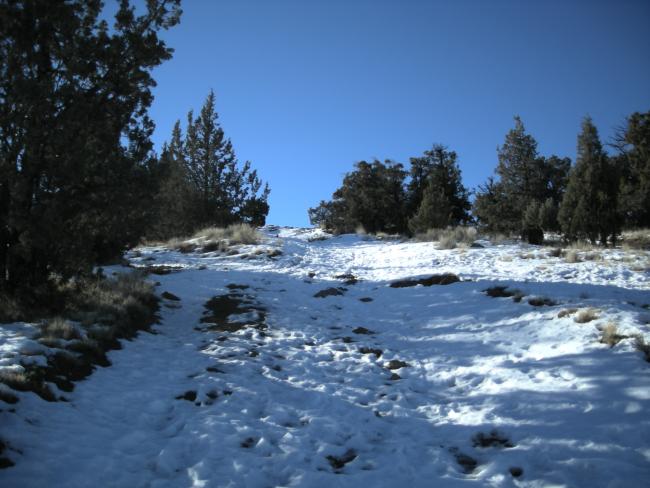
(586,315)
(566,312)
(572,256)
(636,239)
(610,335)
(449,238)
(643,346)
(234,234)
(59,328)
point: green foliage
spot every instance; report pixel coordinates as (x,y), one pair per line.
(436,197)
(75,163)
(589,208)
(376,197)
(634,162)
(202,182)
(526,196)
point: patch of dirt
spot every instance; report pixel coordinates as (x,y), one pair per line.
(220,307)
(441,279)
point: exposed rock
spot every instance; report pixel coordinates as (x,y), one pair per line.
(330,292)
(339,462)
(362,330)
(440,279)
(169,296)
(396,364)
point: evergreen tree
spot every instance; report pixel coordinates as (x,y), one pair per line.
(75,150)
(372,196)
(589,208)
(438,169)
(203,183)
(435,211)
(634,162)
(527,183)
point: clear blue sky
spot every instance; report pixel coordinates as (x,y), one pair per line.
(306,88)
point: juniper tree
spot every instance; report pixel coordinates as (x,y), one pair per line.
(526,180)
(371,196)
(633,144)
(218,190)
(75,150)
(438,170)
(589,207)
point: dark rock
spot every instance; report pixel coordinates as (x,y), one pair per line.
(328,292)
(493,439)
(466,462)
(365,299)
(476,245)
(441,279)
(370,350)
(248,443)
(347,339)
(516,471)
(541,301)
(396,364)
(169,296)
(395,377)
(362,330)
(189,395)
(339,462)
(234,286)
(348,278)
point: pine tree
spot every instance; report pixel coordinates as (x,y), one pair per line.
(589,208)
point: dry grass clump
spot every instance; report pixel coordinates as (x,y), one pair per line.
(571,256)
(610,335)
(593,256)
(586,315)
(126,303)
(449,238)
(59,328)
(234,234)
(636,239)
(643,346)
(566,312)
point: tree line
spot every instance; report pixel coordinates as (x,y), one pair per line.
(79,179)
(530,194)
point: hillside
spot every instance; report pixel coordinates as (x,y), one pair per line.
(318,361)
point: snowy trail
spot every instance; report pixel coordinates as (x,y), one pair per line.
(310,401)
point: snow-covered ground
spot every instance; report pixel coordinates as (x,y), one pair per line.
(494,392)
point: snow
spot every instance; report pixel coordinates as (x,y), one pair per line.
(277,402)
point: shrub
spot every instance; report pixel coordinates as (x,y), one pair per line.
(555,252)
